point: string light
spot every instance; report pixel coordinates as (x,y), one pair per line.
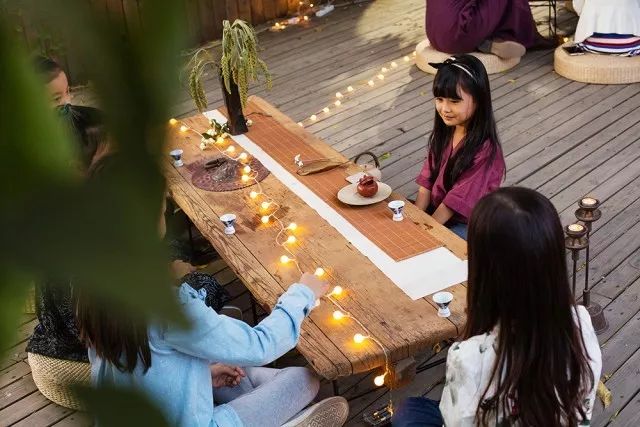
(325,109)
(384,69)
(313,117)
(339,95)
(359,338)
(350,89)
(371,82)
(173,122)
(219,140)
(380,76)
(337,103)
(284,259)
(379,380)
(406,59)
(394,64)
(183,128)
(301,124)
(337,291)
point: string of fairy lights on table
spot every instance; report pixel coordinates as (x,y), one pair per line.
(285,238)
(268,208)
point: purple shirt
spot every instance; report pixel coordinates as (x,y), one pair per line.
(481,178)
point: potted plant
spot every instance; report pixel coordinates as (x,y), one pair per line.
(237,64)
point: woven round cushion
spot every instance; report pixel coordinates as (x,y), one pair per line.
(425,53)
(54,378)
(595,68)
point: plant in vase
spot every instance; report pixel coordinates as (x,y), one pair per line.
(238,65)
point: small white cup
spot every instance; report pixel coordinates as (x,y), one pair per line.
(176,155)
(443,299)
(397,206)
(228,220)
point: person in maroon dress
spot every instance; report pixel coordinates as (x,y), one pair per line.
(464,160)
(505,28)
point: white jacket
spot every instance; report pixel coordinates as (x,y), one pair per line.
(607,16)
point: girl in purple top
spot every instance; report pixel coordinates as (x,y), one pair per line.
(464,160)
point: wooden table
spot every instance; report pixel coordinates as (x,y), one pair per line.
(403,326)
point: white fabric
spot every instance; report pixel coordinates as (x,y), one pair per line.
(417,276)
(607,16)
(469,366)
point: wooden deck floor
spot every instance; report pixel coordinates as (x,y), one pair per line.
(564,138)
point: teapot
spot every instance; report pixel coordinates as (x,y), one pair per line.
(367,186)
(370,169)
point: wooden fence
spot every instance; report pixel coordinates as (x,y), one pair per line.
(204,22)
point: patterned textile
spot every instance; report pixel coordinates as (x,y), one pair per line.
(612,44)
(56,334)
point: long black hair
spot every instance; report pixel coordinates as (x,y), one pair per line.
(464,72)
(518,281)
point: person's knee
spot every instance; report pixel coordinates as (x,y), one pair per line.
(308,380)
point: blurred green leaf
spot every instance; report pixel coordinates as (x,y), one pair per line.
(121,408)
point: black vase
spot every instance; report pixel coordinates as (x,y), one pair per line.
(237,122)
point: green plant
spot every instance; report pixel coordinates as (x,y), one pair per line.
(239,62)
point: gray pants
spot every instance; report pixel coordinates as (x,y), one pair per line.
(270,397)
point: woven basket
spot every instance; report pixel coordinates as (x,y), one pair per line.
(425,54)
(54,378)
(594,68)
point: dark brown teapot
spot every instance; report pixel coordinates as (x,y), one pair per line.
(367,186)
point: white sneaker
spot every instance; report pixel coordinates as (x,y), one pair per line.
(330,412)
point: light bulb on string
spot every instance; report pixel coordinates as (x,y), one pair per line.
(394,64)
(379,380)
(380,77)
(371,83)
(337,290)
(300,124)
(173,122)
(285,259)
(359,338)
(219,140)
(265,205)
(292,226)
(338,315)
(183,128)
(326,109)
(337,103)
(339,95)
(319,272)
(384,69)
(406,59)
(231,149)
(350,89)
(313,117)
(291,239)
(245,178)
(265,219)
(246,169)
(253,194)
(243,156)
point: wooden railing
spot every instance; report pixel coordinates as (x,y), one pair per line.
(204,22)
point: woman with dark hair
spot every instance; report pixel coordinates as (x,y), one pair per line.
(528,355)
(504,28)
(464,160)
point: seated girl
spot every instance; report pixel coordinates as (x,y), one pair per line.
(608,26)
(464,160)
(528,355)
(186,370)
(504,28)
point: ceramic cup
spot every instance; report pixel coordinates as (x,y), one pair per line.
(228,220)
(176,155)
(397,206)
(443,299)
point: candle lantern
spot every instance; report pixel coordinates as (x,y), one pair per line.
(575,241)
(588,213)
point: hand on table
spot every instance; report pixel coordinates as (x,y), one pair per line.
(317,286)
(225,375)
